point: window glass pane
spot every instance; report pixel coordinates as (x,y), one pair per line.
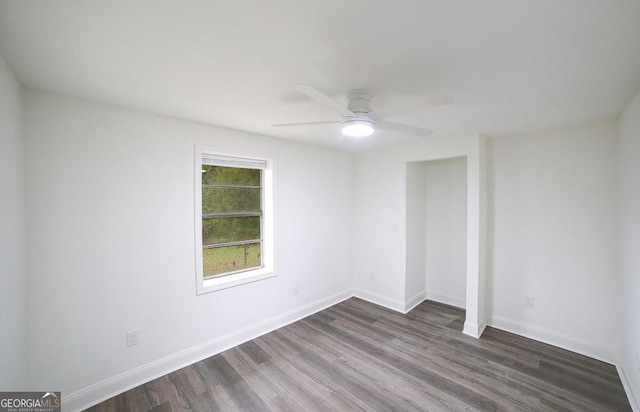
(231,211)
(231,258)
(230,200)
(230,229)
(219,175)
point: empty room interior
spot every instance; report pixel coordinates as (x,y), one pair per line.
(337,205)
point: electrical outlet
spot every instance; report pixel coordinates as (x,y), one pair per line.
(296,290)
(528,301)
(133,337)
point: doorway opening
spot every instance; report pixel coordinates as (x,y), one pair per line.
(436,259)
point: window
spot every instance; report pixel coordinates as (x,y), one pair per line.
(234,222)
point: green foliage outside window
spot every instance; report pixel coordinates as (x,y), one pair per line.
(231,213)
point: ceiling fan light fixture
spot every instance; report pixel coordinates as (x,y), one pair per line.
(358,128)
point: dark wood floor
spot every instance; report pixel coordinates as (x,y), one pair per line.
(359,356)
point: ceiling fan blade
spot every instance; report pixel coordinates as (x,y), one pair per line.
(402,105)
(403,128)
(305,123)
(436,99)
(323,99)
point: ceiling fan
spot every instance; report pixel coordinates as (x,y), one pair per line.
(357,118)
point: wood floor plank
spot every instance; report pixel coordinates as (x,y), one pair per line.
(359,356)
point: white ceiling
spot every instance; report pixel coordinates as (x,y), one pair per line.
(512,66)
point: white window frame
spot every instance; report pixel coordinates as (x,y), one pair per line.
(267,270)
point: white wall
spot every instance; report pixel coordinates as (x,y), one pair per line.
(416,237)
(553,237)
(379,227)
(12,235)
(380,218)
(629,247)
(446,231)
(110,234)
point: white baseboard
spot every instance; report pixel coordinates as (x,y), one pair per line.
(554,338)
(379,300)
(634,398)
(458,302)
(414,301)
(108,388)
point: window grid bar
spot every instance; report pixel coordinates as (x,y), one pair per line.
(238,243)
(231,186)
(237,214)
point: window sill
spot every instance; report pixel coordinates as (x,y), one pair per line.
(236,279)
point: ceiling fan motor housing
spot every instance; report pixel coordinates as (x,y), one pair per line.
(359,100)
